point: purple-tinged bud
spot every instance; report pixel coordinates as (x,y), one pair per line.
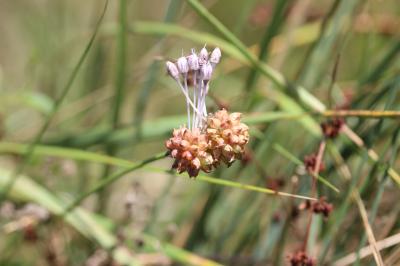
(203,56)
(215,56)
(172,70)
(206,71)
(182,64)
(193,62)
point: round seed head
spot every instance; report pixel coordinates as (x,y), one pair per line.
(190,149)
(172,70)
(227,136)
(183,65)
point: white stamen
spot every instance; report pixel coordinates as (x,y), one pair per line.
(187,97)
(187,103)
(194,98)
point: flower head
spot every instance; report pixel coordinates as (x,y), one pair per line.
(227,135)
(310,163)
(331,128)
(322,206)
(189,148)
(300,258)
(208,139)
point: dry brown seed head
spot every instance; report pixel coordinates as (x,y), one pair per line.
(227,136)
(190,151)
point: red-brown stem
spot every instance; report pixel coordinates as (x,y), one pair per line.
(314,188)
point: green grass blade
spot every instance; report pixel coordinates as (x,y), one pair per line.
(8,147)
(57,104)
(176,253)
(103,183)
(297,161)
(275,24)
(150,79)
(84,222)
(316,64)
(87,224)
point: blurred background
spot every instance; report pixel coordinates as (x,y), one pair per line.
(66,126)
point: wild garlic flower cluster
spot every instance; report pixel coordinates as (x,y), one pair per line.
(208,139)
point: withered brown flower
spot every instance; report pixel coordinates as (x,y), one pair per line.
(322,206)
(310,163)
(300,258)
(331,128)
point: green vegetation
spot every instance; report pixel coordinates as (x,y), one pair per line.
(86,107)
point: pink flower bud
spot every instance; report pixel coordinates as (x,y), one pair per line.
(215,56)
(193,62)
(172,70)
(182,64)
(203,56)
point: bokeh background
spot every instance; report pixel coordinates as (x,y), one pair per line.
(281,60)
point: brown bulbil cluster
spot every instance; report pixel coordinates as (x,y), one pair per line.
(222,140)
(190,150)
(227,136)
(310,161)
(332,127)
(300,258)
(322,207)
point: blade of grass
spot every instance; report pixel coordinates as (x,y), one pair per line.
(179,255)
(279,80)
(366,251)
(394,150)
(63,152)
(56,106)
(116,105)
(368,229)
(112,178)
(87,224)
(150,78)
(272,30)
(120,64)
(26,189)
(315,65)
(9,147)
(385,62)
(162,127)
(298,162)
(228,183)
(355,196)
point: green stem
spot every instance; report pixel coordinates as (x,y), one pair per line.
(119,92)
(112,178)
